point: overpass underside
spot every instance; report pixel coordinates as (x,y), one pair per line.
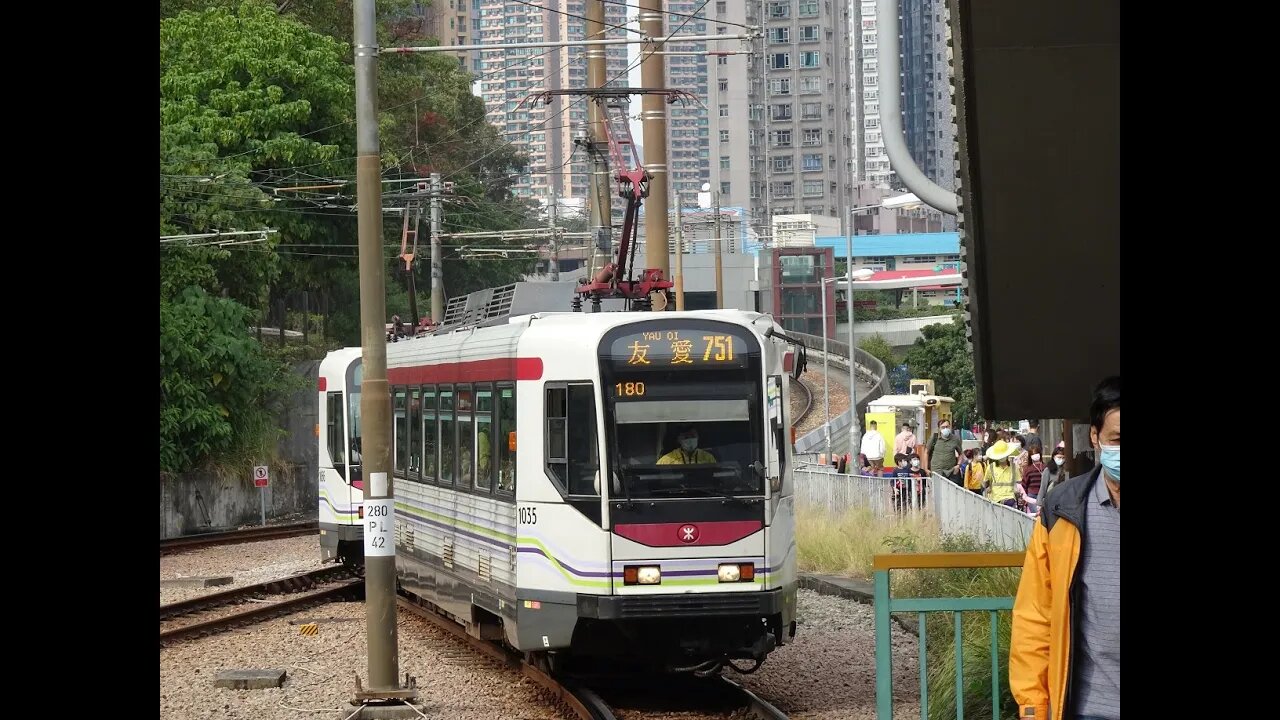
(1036,92)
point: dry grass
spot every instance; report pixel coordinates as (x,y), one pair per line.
(844,544)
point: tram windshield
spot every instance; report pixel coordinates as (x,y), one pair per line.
(683,416)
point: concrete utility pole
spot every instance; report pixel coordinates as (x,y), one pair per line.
(375,398)
(437,266)
(601,196)
(654,118)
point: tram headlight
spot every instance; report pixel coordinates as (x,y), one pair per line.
(642,575)
(736,572)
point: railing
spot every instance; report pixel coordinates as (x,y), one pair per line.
(964,512)
(885,605)
(822,487)
(868,367)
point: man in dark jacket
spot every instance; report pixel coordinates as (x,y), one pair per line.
(944,453)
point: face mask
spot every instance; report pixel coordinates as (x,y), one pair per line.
(1017,446)
(1109,458)
(1060,461)
(946,432)
(689,444)
(1035,457)
(915,463)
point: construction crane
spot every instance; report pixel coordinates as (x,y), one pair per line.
(615,280)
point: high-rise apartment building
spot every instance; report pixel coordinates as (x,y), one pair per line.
(688,125)
(925,91)
(448,21)
(781,130)
(508,77)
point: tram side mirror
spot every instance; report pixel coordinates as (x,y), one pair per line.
(800,363)
(759,468)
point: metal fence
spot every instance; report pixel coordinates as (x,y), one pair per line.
(834,493)
(961,511)
(958,511)
(885,604)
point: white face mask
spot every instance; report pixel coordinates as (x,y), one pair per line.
(915,463)
(1035,457)
(1060,461)
(946,432)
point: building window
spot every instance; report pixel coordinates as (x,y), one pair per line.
(724,162)
(780,61)
(809,59)
(808,8)
(812,188)
(808,33)
(810,85)
(780,86)
(724,188)
(782,163)
(812,136)
(724,111)
(724,85)
(779,35)
(782,9)
(782,189)
(780,138)
(811,111)
(720,7)
(781,111)
(724,136)
(812,161)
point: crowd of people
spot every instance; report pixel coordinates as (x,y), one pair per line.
(1009,468)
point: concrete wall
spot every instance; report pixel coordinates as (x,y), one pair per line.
(200,501)
(898,333)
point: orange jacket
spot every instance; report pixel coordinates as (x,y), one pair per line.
(1045,610)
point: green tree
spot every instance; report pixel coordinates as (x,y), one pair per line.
(879,349)
(242,90)
(216,382)
(942,355)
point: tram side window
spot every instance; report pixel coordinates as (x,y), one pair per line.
(430,434)
(415,434)
(466,436)
(335,435)
(505,450)
(447,441)
(401,450)
(484,437)
(571,437)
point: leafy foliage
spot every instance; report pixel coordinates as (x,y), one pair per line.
(256,97)
(941,354)
(879,348)
(214,380)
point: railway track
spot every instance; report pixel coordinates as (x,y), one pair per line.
(209,614)
(243,535)
(581,698)
(808,403)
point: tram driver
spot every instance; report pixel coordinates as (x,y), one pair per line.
(687,453)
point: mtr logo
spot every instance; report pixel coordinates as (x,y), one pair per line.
(688,533)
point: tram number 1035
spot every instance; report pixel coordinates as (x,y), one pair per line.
(629,389)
